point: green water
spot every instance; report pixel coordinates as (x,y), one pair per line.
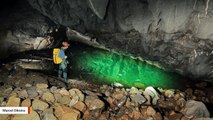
(106,67)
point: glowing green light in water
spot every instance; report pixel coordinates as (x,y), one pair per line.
(106,67)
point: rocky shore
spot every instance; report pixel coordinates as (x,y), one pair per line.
(80,100)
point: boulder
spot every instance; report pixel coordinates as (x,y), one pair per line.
(48,97)
(66,113)
(94,103)
(26,103)
(23,94)
(13,102)
(32,93)
(195,109)
(80,106)
(49,117)
(32,116)
(63,91)
(39,105)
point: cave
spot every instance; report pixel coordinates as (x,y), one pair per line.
(129,59)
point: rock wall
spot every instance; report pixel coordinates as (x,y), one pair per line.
(23,28)
(175,33)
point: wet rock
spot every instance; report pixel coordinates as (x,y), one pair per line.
(63,91)
(194,109)
(80,106)
(39,105)
(48,97)
(13,102)
(151,95)
(32,116)
(23,94)
(94,103)
(31,91)
(66,113)
(26,103)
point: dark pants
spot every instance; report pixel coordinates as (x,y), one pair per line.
(63,70)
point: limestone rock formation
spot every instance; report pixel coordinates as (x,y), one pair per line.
(23,28)
(175,33)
